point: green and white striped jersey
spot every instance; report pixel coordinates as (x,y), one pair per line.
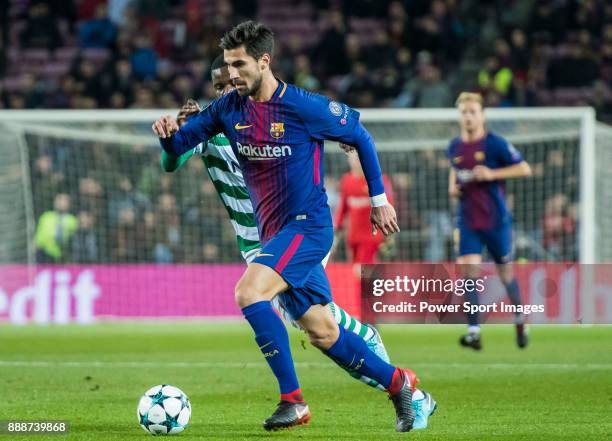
(226,175)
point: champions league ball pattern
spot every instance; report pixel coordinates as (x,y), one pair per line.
(164,410)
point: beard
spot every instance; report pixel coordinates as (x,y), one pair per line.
(254,89)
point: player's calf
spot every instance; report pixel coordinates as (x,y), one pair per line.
(254,290)
(273,341)
(324,335)
(352,352)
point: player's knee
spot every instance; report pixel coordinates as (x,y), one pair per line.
(324,337)
(245,294)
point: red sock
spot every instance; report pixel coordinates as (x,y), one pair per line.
(397,381)
(293,397)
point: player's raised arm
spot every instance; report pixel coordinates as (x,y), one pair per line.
(326,119)
(199,128)
(382,216)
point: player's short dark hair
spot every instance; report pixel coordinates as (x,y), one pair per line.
(217,63)
(258,39)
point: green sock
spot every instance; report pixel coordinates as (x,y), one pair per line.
(350,323)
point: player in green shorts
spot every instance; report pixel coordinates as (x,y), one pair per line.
(226,175)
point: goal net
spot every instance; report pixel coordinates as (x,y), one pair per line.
(107,164)
(86,187)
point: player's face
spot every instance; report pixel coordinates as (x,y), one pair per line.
(471,116)
(221,81)
(245,71)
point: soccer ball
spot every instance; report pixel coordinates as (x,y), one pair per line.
(164,410)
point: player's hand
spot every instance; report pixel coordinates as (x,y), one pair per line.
(165,127)
(191,107)
(384,219)
(483,173)
(347,148)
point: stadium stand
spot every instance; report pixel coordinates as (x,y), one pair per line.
(135,53)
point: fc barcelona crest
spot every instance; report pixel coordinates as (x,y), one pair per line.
(479,156)
(277,130)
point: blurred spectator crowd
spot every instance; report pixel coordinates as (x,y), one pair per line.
(369,53)
(113,203)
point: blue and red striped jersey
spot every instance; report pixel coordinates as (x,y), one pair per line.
(482,205)
(279,145)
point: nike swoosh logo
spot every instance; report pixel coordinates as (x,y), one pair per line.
(302,413)
(267,344)
(264,255)
(241,127)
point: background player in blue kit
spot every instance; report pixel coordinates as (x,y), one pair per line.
(277,132)
(480,162)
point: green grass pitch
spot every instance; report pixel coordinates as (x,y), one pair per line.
(560,388)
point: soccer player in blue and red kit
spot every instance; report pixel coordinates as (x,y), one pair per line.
(277,132)
(480,163)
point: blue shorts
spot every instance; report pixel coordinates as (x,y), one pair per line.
(296,253)
(498,242)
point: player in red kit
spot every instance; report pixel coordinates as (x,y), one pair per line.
(362,242)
